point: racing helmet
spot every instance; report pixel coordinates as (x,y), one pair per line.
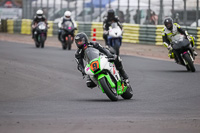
(111,14)
(81,39)
(168,22)
(67,15)
(39,13)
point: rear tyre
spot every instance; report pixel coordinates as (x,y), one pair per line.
(108,90)
(128,94)
(190,64)
(188,68)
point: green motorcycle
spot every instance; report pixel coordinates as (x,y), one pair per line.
(103,72)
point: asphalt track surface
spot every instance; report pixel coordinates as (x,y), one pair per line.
(41,91)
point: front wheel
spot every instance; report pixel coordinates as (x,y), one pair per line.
(110,92)
(190,64)
(42,40)
(64,45)
(116,45)
(69,42)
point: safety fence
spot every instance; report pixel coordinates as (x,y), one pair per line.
(133,33)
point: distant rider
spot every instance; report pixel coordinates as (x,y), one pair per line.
(108,20)
(39,17)
(82,43)
(171,29)
(66,17)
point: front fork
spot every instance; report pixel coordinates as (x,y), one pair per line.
(121,88)
(186,52)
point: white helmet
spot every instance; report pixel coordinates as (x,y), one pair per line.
(39,13)
(67,14)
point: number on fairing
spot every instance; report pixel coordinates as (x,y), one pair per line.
(94,65)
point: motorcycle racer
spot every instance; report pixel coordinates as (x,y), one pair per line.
(39,17)
(108,20)
(66,17)
(171,32)
(82,43)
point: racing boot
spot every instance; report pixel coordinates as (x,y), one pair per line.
(32,34)
(122,73)
(59,36)
(124,76)
(195,53)
(90,83)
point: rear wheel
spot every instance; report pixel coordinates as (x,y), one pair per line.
(190,64)
(128,94)
(110,92)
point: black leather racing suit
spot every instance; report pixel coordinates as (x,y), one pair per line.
(79,55)
(107,23)
(36,20)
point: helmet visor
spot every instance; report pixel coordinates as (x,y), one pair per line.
(80,42)
(39,15)
(67,16)
(169,25)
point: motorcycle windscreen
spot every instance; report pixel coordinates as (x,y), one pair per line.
(91,53)
(42,25)
(68,26)
(181,44)
(114,25)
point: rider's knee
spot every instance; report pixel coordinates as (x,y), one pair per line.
(90,84)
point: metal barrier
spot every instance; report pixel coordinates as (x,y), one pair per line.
(133,33)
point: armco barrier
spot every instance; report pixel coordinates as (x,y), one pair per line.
(133,33)
(99,30)
(10,25)
(3,25)
(26,26)
(158,34)
(50,30)
(17,26)
(85,27)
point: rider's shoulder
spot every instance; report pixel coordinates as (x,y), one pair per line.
(117,18)
(105,19)
(44,16)
(177,25)
(163,29)
(94,44)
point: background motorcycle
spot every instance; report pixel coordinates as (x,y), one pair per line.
(115,37)
(67,35)
(183,53)
(104,73)
(40,34)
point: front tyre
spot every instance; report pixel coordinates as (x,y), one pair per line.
(64,46)
(69,43)
(116,46)
(190,64)
(108,90)
(42,40)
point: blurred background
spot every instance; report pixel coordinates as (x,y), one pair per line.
(144,12)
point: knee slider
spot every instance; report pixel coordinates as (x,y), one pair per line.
(91,84)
